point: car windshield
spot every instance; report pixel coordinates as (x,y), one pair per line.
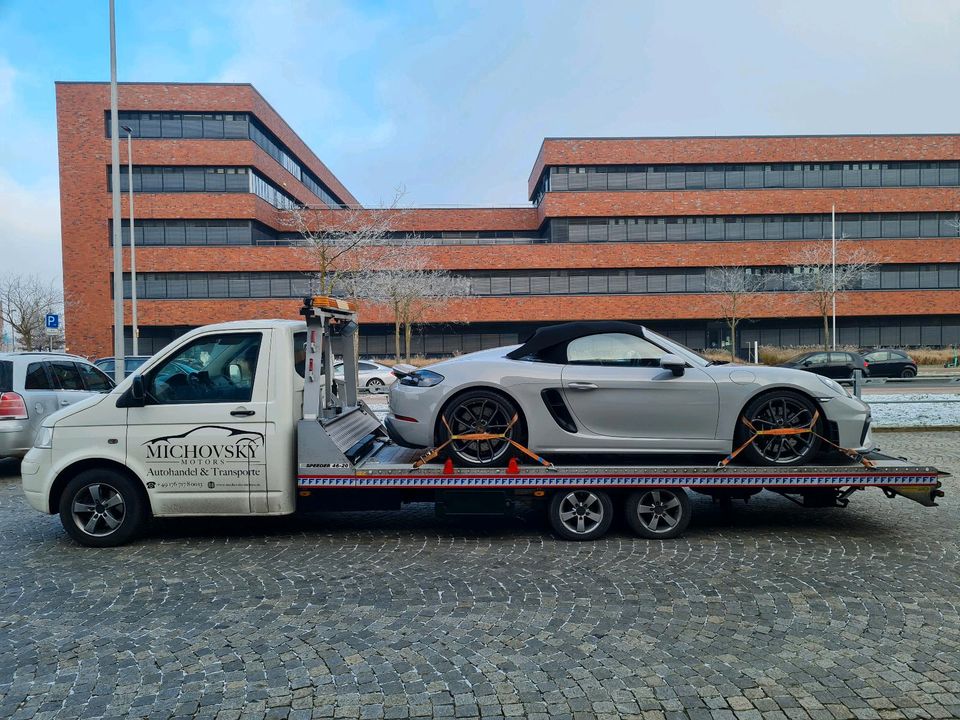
(676,348)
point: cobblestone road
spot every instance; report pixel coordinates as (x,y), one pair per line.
(765,611)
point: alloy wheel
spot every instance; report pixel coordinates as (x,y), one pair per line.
(581,512)
(98,509)
(481,415)
(659,511)
(782,411)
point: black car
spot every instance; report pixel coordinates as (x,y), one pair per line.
(834,364)
(887,362)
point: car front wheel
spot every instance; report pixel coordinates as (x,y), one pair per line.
(102,508)
(781,409)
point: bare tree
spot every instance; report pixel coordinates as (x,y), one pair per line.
(405,285)
(338,241)
(816,279)
(731,288)
(25,301)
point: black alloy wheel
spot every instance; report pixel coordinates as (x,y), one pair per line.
(777,410)
(476,412)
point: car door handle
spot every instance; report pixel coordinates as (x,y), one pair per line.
(242,413)
(582,386)
(64,402)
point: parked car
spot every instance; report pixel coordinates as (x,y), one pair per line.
(887,362)
(617,387)
(373,376)
(829,364)
(33,385)
(130,364)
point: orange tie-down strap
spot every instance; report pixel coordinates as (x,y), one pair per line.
(482,436)
(853,454)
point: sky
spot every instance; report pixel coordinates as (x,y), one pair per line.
(451,100)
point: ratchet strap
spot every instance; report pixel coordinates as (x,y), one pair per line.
(852,454)
(478,436)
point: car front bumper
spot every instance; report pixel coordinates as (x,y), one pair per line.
(853,420)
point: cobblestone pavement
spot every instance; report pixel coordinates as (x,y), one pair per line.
(763,612)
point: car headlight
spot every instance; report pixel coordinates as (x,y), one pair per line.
(422,378)
(832,384)
(44,439)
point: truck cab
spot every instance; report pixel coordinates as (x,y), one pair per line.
(207,427)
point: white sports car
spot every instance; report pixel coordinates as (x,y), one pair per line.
(617,387)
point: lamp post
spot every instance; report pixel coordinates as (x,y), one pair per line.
(833,268)
(133,245)
(118,349)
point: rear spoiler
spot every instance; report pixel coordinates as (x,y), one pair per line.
(401,370)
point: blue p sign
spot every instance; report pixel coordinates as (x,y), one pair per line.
(53,321)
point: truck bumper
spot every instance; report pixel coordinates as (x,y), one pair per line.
(34,481)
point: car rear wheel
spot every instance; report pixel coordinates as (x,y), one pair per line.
(482,412)
(102,508)
(908,372)
(778,410)
(581,514)
(658,513)
(375,385)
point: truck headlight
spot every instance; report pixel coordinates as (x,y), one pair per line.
(44,439)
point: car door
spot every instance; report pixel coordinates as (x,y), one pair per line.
(879,363)
(817,363)
(615,386)
(200,440)
(841,365)
(69,381)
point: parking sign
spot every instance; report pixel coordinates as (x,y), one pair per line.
(52,323)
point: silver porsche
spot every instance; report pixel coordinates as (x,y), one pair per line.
(619,388)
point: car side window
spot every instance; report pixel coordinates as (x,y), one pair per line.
(367,366)
(94,378)
(818,359)
(300,353)
(37,377)
(211,369)
(108,366)
(617,349)
(67,375)
(840,358)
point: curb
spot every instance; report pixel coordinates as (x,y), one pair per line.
(913,428)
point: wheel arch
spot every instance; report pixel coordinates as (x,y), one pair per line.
(770,390)
(71,471)
(495,389)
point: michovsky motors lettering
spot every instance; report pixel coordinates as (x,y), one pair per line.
(201,452)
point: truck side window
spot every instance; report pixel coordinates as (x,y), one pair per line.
(211,369)
(300,353)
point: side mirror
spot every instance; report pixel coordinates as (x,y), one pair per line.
(674,364)
(135,395)
(807,363)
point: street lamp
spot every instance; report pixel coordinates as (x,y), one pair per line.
(133,246)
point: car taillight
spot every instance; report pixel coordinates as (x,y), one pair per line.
(12,407)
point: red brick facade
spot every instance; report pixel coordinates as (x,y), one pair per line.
(86,212)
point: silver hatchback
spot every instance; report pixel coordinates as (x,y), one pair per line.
(35,384)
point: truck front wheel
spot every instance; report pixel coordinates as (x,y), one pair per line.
(581,514)
(102,508)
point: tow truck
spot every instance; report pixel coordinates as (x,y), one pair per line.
(248,419)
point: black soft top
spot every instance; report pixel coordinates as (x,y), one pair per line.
(548,337)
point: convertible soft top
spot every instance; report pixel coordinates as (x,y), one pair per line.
(548,337)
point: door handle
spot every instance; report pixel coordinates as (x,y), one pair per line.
(64,402)
(242,413)
(582,386)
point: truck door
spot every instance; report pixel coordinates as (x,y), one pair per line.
(199,442)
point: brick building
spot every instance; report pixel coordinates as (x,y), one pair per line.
(617,228)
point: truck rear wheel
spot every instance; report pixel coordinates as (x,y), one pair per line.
(102,508)
(658,513)
(580,514)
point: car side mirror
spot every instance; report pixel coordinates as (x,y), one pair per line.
(807,363)
(674,364)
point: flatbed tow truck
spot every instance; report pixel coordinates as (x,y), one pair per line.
(220,423)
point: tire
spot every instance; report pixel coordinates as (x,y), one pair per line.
(658,513)
(908,373)
(375,385)
(462,415)
(580,514)
(95,491)
(767,411)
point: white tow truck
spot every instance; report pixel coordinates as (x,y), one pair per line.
(248,419)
